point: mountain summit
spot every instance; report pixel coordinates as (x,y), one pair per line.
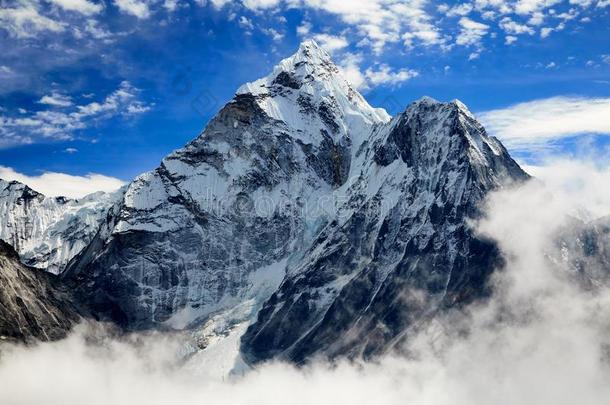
(303,215)
(326,104)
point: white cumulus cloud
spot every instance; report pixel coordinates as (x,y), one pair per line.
(84,7)
(385,75)
(61,184)
(511,27)
(136,8)
(471,32)
(350,68)
(372,76)
(56,99)
(331,43)
(260,4)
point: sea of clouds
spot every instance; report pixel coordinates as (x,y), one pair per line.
(543,339)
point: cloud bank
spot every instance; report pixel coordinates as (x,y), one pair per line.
(54,184)
(542,339)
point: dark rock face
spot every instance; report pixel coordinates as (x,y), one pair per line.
(287,80)
(33,304)
(331,161)
(394,261)
(583,251)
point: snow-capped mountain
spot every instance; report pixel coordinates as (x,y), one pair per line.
(301,218)
(48,232)
(217,221)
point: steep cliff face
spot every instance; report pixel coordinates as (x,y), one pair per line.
(33,304)
(197,234)
(48,232)
(400,248)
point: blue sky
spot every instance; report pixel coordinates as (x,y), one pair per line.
(112,86)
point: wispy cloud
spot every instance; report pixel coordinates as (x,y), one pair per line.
(246,23)
(54,124)
(274,34)
(537,122)
(25,21)
(6,72)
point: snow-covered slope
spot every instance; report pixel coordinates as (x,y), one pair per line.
(48,232)
(308,94)
(400,248)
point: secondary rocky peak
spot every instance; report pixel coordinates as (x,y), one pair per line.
(404,228)
(17,189)
(426,100)
(426,105)
(446,131)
